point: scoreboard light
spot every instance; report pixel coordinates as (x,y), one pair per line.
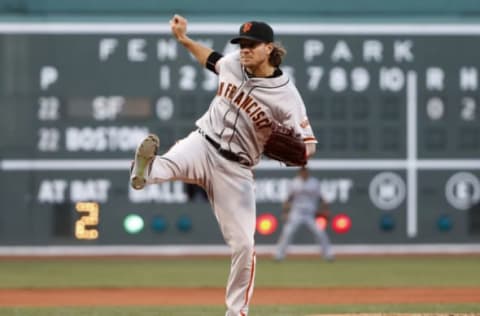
(444,223)
(159,224)
(184,223)
(341,223)
(321,222)
(266,224)
(133,224)
(387,222)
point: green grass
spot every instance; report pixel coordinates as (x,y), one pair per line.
(254,310)
(439,271)
(373,271)
(195,272)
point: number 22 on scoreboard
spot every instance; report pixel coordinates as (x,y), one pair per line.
(89,217)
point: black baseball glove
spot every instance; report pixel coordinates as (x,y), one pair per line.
(283,145)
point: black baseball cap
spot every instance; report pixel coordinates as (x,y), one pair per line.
(256,31)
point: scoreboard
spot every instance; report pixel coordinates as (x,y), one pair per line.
(395,109)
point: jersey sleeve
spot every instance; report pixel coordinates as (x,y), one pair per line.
(229,63)
(298,119)
(212,61)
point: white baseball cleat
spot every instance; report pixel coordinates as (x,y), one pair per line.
(144,156)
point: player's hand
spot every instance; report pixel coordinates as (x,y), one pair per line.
(178,24)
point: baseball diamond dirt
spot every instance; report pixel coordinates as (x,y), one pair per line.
(213,296)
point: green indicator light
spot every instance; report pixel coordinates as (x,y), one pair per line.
(133,224)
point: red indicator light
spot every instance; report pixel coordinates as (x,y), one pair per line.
(266,224)
(321,222)
(341,224)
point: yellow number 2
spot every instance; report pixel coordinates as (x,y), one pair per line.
(83,226)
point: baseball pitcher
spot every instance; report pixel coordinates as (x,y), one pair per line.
(256,107)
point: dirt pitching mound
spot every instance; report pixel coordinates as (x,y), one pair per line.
(215,296)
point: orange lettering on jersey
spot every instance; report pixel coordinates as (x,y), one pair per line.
(227,90)
(258,116)
(255,112)
(239,98)
(263,123)
(246,102)
(232,92)
(251,106)
(220,88)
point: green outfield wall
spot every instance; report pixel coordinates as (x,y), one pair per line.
(394,104)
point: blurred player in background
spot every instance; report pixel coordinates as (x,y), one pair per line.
(219,155)
(302,205)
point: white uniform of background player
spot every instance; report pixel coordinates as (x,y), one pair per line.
(229,141)
(301,206)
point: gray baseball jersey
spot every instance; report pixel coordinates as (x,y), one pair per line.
(240,115)
(238,120)
(305,197)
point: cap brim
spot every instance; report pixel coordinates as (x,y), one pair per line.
(236,40)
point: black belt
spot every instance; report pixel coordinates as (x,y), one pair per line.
(225,153)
